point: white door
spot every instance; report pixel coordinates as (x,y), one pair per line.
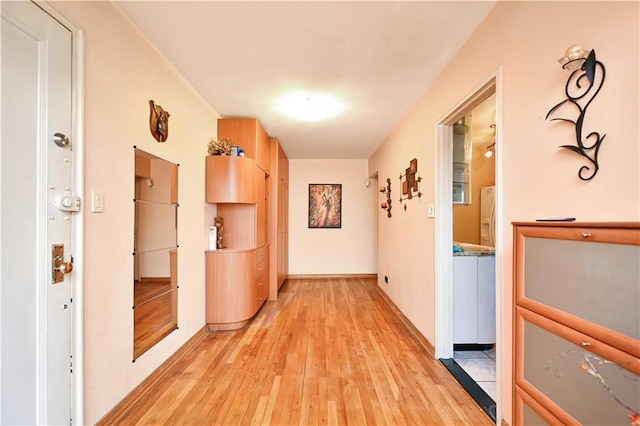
(35,344)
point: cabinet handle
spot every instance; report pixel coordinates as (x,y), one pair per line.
(586,234)
(586,344)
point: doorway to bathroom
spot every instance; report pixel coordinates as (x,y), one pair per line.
(467,216)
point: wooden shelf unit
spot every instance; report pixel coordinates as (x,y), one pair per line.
(576,324)
(239,278)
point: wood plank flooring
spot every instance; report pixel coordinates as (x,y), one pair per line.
(327,352)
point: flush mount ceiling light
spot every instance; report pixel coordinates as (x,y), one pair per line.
(310,106)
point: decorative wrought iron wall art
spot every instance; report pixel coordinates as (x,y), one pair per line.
(583,65)
(411,182)
(387,190)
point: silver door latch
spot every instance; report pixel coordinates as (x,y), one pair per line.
(67,203)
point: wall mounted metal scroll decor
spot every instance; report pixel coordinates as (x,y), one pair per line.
(158,122)
(387,190)
(411,183)
(583,65)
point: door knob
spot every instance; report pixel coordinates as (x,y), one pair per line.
(61,139)
(65,267)
(58,266)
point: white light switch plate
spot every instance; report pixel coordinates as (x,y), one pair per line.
(431,210)
(97,201)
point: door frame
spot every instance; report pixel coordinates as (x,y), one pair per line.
(444,219)
(77,229)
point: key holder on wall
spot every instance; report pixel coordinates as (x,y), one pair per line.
(411,183)
(387,190)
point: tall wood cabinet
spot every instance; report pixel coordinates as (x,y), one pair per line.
(576,323)
(249,135)
(279,223)
(238,277)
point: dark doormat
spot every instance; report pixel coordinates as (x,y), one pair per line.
(473,389)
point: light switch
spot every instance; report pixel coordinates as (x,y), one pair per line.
(431,211)
(97,201)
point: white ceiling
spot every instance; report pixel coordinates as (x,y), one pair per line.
(376,57)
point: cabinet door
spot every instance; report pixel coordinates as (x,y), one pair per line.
(263,154)
(576,378)
(529,412)
(486,299)
(230,179)
(261,208)
(465,299)
(571,278)
(231,290)
(249,135)
(242,132)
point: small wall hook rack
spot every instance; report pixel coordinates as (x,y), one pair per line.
(387,190)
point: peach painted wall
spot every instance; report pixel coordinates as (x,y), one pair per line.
(122,73)
(534,177)
(347,250)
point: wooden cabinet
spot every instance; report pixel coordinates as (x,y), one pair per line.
(237,275)
(249,135)
(231,179)
(576,324)
(279,219)
(231,292)
(261,208)
(236,286)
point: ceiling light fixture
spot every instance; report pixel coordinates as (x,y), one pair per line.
(310,106)
(490,149)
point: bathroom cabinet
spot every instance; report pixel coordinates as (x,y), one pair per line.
(474,298)
(576,323)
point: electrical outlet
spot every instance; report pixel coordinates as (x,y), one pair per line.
(386,279)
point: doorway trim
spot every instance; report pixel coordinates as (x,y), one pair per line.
(444,219)
(77,138)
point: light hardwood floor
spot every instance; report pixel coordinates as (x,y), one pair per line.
(329,351)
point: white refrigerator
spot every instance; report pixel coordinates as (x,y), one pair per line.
(487,216)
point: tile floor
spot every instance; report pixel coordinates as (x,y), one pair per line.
(481,366)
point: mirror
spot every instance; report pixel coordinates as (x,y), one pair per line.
(155,251)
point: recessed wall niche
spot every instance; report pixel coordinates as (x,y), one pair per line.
(155,251)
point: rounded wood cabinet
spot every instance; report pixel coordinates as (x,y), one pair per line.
(231,179)
(231,289)
(237,274)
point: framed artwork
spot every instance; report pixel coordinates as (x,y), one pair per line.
(325,205)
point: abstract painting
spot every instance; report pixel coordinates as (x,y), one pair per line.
(325,205)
